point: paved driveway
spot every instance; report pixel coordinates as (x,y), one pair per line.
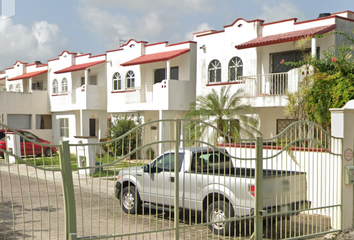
(32,208)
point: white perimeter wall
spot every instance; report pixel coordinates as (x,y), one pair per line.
(323,173)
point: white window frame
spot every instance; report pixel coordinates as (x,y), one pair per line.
(214,67)
(116,81)
(237,64)
(55,86)
(64,127)
(64,85)
(130,79)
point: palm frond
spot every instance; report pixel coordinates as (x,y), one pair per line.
(219,108)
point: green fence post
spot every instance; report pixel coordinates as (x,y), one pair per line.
(176,188)
(68,191)
(259,188)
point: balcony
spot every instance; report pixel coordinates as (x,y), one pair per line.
(139,95)
(85,97)
(266,90)
(264,85)
(24,102)
(167,95)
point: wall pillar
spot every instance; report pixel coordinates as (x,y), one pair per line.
(168,69)
(342,126)
(30,85)
(167,129)
(86,76)
(314,47)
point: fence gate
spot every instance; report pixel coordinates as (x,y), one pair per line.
(193,183)
(31,195)
(311,160)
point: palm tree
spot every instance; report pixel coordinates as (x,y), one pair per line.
(224,110)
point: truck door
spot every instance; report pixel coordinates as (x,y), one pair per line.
(162,179)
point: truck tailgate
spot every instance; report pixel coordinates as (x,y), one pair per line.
(283,187)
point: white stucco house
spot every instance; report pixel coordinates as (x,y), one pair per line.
(151,81)
(78,96)
(24,98)
(248,55)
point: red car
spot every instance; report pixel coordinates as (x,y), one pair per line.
(27,147)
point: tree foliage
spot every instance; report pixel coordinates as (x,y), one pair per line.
(129,142)
(331,85)
(221,110)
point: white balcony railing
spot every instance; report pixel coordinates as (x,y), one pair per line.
(142,94)
(264,84)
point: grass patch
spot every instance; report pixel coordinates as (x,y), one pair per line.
(53,161)
(106,173)
(107,158)
(113,170)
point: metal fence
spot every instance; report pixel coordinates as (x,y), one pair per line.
(202,185)
(265,84)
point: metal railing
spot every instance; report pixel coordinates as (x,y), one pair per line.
(264,84)
(263,188)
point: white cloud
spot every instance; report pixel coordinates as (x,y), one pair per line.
(111,27)
(104,25)
(199,28)
(276,11)
(41,42)
(151,26)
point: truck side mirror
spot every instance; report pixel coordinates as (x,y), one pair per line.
(149,169)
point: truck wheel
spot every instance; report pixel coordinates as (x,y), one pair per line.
(130,200)
(220,211)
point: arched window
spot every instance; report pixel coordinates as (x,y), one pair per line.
(130,79)
(18,87)
(55,86)
(235,69)
(64,85)
(214,70)
(11,88)
(117,81)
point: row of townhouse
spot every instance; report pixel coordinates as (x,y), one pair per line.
(78,95)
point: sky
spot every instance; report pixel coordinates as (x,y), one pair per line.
(43,29)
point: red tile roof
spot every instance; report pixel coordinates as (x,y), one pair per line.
(2,78)
(28,75)
(79,67)
(156,57)
(286,37)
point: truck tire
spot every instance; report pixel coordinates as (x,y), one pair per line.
(220,211)
(130,200)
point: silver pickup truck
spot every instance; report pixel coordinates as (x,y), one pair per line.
(209,183)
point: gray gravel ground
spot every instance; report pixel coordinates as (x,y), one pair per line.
(343,235)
